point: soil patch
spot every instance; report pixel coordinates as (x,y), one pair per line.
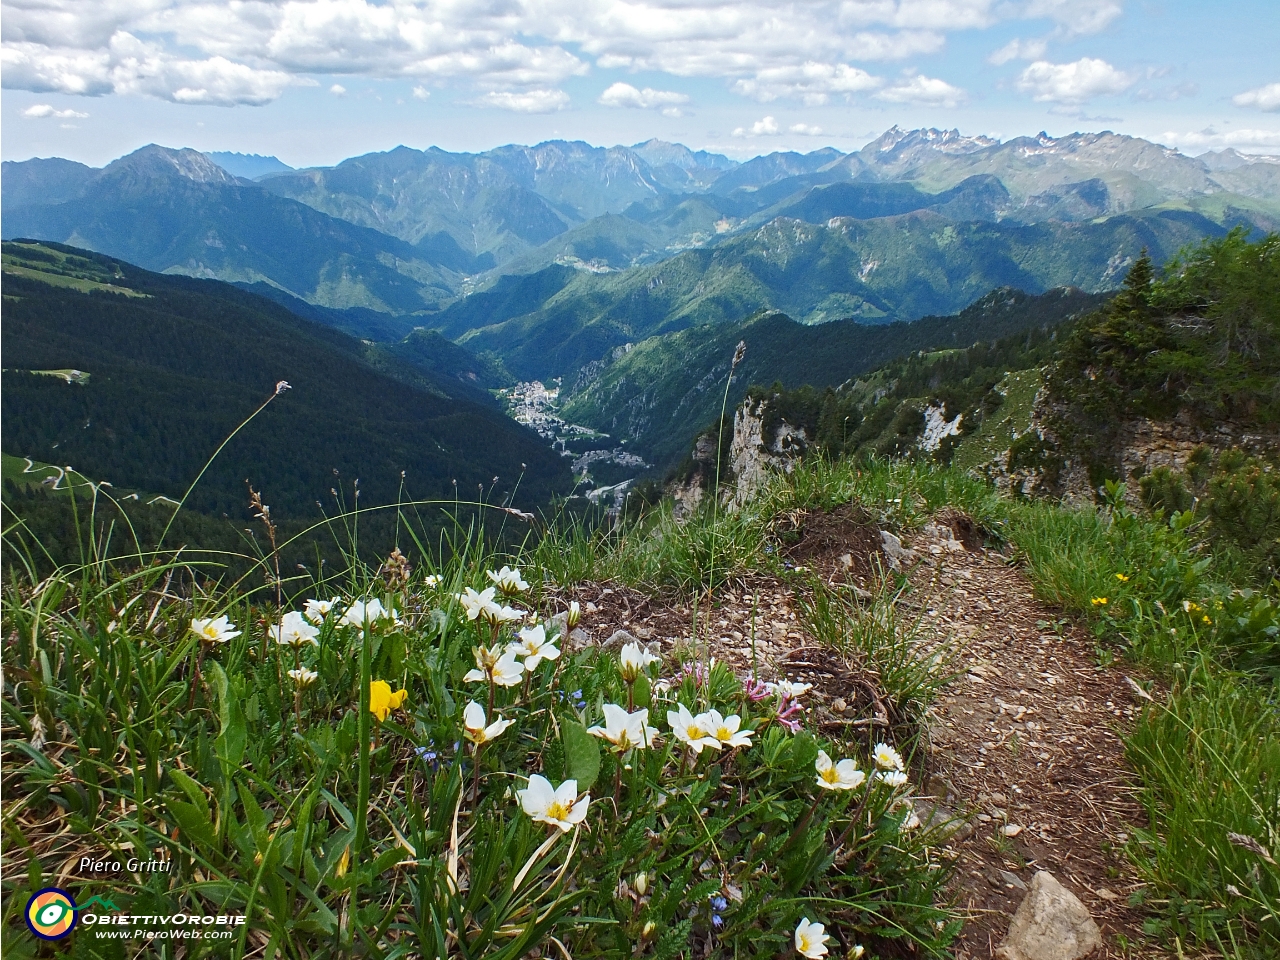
(843,543)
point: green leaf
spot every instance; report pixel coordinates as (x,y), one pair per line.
(643,692)
(194,824)
(231,741)
(581,753)
(193,792)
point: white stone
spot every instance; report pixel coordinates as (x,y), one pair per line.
(1050,924)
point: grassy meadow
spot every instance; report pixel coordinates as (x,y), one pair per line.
(413,759)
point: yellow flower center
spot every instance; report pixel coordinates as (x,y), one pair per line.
(558,811)
(695,732)
(724,733)
(831,775)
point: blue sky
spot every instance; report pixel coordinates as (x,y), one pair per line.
(315,81)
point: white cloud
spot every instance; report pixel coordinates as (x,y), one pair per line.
(1210,139)
(338,90)
(250,51)
(528,101)
(1073,82)
(42,110)
(928,91)
(1076,17)
(1017,49)
(131,66)
(805,130)
(812,82)
(625,95)
(931,14)
(421,93)
(1263,98)
(764,127)
(893,46)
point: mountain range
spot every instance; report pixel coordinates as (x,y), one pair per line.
(456,273)
(408,231)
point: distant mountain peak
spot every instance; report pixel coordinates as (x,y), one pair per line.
(897,141)
(247,165)
(658,152)
(1232,159)
(154,160)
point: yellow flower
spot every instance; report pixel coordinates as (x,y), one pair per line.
(382,701)
(1122,578)
(1206,619)
(1099,601)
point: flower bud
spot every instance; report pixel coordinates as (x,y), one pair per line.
(574,615)
(641,883)
(648,930)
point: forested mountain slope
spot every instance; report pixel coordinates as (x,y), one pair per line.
(659,393)
(174,364)
(891,268)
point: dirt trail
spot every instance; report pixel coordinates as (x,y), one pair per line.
(1023,745)
(1027,741)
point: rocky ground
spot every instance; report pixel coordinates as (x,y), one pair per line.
(1022,745)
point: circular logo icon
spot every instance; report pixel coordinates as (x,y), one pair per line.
(51,913)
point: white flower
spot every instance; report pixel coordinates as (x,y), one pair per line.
(886,757)
(790,689)
(502,614)
(534,647)
(724,730)
(505,671)
(361,613)
(695,731)
(475,604)
(294,631)
(317,610)
(508,581)
(482,606)
(574,615)
(858,950)
(431,580)
(473,719)
(892,778)
(633,661)
(561,807)
(811,939)
(303,677)
(837,776)
(213,631)
(912,820)
(625,730)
